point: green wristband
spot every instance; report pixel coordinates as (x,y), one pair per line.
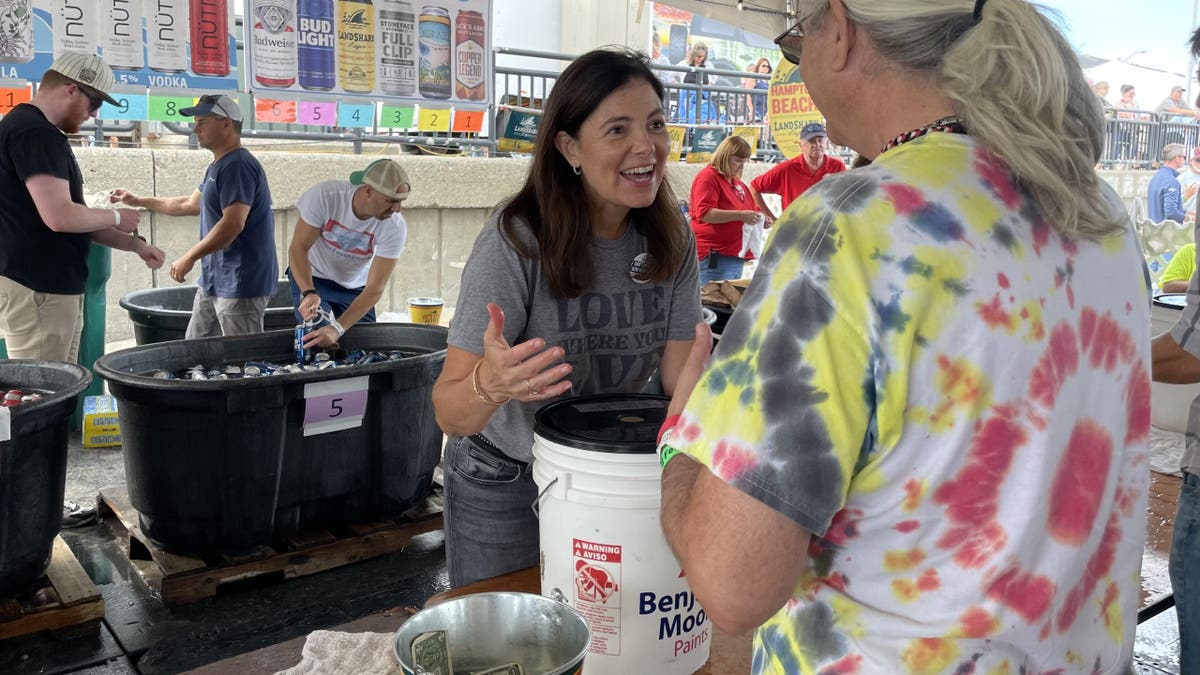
(666,453)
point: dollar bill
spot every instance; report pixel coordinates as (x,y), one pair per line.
(506,669)
(431,654)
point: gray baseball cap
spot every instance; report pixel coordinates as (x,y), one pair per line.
(87,69)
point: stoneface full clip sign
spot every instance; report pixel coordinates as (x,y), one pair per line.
(419,51)
(154,44)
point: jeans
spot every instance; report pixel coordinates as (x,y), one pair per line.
(727,267)
(335,298)
(489,521)
(1185,572)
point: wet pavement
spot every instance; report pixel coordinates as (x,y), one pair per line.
(140,635)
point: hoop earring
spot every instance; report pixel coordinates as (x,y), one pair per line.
(578,170)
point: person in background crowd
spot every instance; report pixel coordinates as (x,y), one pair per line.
(595,226)
(758,102)
(1177,361)
(1178,273)
(46,228)
(1127,100)
(697,58)
(893,431)
(236,251)
(1173,109)
(658,58)
(1101,89)
(345,246)
(720,205)
(1189,184)
(790,178)
(1163,201)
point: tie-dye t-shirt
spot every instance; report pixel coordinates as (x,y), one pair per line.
(955,401)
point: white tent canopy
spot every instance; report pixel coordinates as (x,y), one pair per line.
(764,17)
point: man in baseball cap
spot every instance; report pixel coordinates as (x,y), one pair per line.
(789,179)
(345,247)
(1173,109)
(236,251)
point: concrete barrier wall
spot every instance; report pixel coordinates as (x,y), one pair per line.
(451,200)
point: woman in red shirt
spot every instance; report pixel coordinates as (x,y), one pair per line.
(720,205)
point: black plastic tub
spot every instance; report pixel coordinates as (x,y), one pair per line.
(33,468)
(162,314)
(225,465)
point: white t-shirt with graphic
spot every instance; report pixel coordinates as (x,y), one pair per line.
(347,245)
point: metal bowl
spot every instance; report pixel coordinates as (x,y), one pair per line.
(485,630)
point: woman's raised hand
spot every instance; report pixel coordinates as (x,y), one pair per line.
(528,371)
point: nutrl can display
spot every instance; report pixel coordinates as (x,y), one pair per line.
(397,47)
(166,35)
(315,45)
(76,26)
(273,29)
(121,34)
(602,547)
(210,37)
(470,55)
(356,46)
(16,31)
(434,42)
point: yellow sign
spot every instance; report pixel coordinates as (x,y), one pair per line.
(751,135)
(433,120)
(677,133)
(789,107)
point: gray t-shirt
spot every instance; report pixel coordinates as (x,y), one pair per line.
(613,333)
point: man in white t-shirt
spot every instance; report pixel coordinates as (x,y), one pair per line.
(345,247)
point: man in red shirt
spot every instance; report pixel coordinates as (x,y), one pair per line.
(790,178)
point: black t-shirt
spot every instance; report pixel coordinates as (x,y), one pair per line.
(32,254)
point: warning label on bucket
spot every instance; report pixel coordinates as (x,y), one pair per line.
(597,593)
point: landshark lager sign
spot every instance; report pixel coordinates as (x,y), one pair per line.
(704,144)
(790,107)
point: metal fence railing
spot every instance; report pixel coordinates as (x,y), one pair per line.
(1135,138)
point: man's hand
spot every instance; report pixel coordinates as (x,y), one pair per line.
(181,267)
(309,306)
(325,336)
(150,254)
(129,220)
(123,196)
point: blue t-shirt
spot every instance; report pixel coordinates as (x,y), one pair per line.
(1164,201)
(247,268)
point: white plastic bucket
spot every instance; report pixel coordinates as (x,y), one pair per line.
(1170,404)
(602,547)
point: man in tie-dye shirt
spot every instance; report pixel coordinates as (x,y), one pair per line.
(921,446)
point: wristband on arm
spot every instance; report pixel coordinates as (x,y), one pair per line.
(305,294)
(116,217)
(667,452)
(338,327)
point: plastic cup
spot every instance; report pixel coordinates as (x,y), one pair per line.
(425,310)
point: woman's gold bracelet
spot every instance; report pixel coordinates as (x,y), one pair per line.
(479,390)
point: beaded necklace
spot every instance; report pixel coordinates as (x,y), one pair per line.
(949,125)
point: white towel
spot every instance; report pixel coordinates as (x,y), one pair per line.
(329,652)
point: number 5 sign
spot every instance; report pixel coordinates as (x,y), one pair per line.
(334,405)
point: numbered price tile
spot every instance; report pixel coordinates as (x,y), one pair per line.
(129,107)
(11,98)
(468,121)
(396,117)
(322,114)
(166,108)
(434,120)
(334,405)
(355,115)
(269,110)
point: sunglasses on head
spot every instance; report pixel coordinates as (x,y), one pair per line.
(95,98)
(791,42)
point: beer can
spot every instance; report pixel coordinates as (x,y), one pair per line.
(273,31)
(302,355)
(433,73)
(210,37)
(397,47)
(470,56)
(121,34)
(16,31)
(356,46)
(76,26)
(315,45)
(167,35)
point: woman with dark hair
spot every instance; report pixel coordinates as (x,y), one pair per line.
(758,102)
(584,282)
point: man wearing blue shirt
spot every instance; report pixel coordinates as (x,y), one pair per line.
(1164,201)
(236,251)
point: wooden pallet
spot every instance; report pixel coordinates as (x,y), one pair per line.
(180,579)
(64,598)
